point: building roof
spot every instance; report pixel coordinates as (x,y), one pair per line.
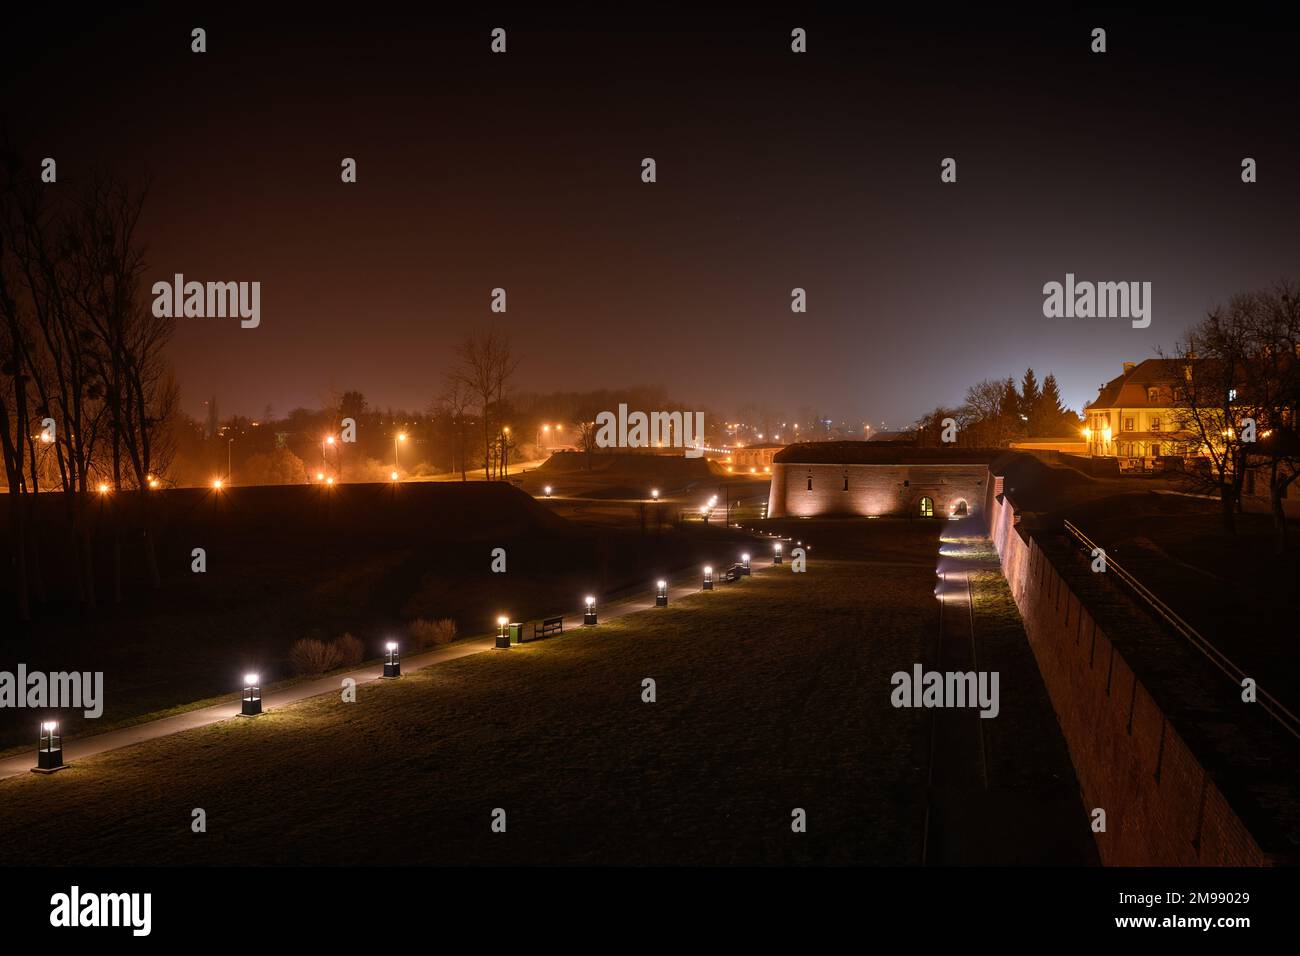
(1129,389)
(880,453)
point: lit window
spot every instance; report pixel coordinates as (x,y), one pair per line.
(927,507)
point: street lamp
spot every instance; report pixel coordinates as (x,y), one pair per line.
(503,639)
(252,698)
(392,475)
(589,616)
(49,749)
(744,563)
(776,553)
(654,493)
(708,578)
(216,484)
(661,594)
(399,437)
(392,666)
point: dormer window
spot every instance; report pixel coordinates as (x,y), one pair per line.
(1153,395)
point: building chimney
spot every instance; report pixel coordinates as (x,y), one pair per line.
(1128,367)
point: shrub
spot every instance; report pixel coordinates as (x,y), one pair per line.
(310,656)
(426,633)
(350,651)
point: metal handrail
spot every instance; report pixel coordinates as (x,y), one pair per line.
(1275,708)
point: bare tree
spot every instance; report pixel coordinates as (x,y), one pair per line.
(485,365)
(454,402)
(1210,399)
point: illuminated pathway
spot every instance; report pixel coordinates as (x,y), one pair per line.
(1000,791)
(78,748)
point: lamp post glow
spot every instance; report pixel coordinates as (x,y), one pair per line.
(251,705)
(49,749)
(708,578)
(654,493)
(744,563)
(661,594)
(503,639)
(589,615)
(392,666)
(392,475)
(547,491)
(776,553)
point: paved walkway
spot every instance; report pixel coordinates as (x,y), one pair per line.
(680,586)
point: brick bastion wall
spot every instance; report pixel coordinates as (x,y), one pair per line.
(875,478)
(1166,804)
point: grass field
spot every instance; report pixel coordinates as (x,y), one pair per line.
(772,694)
(285,563)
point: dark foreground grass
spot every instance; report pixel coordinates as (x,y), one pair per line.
(772,694)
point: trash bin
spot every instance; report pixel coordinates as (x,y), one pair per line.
(516,632)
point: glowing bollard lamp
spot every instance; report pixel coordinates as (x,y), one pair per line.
(547,490)
(776,553)
(251,704)
(49,749)
(708,578)
(503,638)
(661,594)
(392,666)
(589,615)
(744,563)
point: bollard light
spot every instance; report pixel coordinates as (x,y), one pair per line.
(654,493)
(661,594)
(503,639)
(744,563)
(392,666)
(776,553)
(589,616)
(547,491)
(49,749)
(252,701)
(708,578)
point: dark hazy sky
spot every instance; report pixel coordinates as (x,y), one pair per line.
(775,170)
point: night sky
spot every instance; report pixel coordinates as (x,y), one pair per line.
(775,170)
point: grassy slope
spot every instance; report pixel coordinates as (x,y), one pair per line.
(772,694)
(280,569)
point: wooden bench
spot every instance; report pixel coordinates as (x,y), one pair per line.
(550,626)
